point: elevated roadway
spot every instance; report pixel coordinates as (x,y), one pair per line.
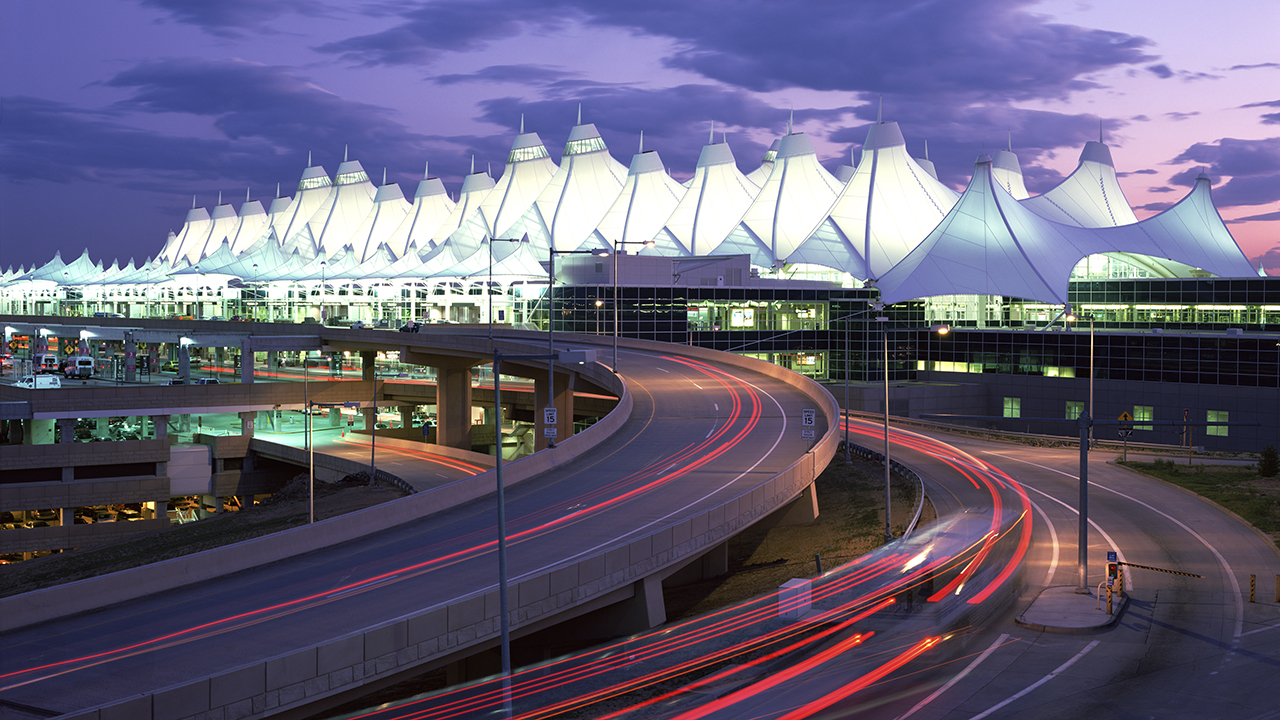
(704,445)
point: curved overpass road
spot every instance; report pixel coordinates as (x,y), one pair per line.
(1183,647)
(698,435)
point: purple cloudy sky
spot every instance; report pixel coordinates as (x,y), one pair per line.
(114,113)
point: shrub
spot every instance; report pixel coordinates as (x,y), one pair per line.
(1269,462)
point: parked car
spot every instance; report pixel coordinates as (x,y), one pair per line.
(172,365)
(176,381)
(40,382)
(409,327)
(207,381)
(358,325)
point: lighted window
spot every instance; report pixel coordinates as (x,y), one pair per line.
(315,182)
(1012,407)
(1074,408)
(350,178)
(1143,413)
(585,145)
(1217,416)
(527,153)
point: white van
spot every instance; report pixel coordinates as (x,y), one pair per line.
(40,382)
(78,366)
(45,363)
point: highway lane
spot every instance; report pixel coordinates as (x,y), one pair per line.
(698,435)
(1183,647)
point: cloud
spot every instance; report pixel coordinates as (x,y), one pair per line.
(1143,171)
(1269,260)
(1263,217)
(1160,70)
(260,122)
(230,18)
(879,46)
(1155,207)
(675,120)
(1180,116)
(1271,65)
(1162,189)
(431,29)
(1232,156)
(539,75)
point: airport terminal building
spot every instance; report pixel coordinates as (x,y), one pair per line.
(1054,303)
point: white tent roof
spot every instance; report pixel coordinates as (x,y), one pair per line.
(760,174)
(716,200)
(389,210)
(191,238)
(883,211)
(225,223)
(334,223)
(253,224)
(581,192)
(790,204)
(1089,197)
(509,259)
(645,202)
(1006,172)
(313,189)
(989,244)
(529,169)
(431,207)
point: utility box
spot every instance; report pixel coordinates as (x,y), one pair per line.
(795,598)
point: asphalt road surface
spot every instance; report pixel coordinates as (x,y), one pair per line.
(698,436)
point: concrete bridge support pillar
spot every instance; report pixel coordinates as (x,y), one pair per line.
(453,406)
(803,509)
(246,361)
(561,398)
(247,422)
(67,430)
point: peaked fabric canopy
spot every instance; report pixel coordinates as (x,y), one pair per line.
(989,244)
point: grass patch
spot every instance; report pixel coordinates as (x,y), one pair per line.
(1239,488)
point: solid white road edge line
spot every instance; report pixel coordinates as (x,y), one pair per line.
(959,676)
(1128,577)
(1061,668)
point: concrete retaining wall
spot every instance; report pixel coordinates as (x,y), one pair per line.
(70,598)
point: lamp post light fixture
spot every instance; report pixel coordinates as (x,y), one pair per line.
(567,357)
(1090,318)
(888,507)
(618,250)
(489,284)
(551,323)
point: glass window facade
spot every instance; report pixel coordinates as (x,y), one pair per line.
(1217,416)
(1074,408)
(830,333)
(1012,407)
(1143,413)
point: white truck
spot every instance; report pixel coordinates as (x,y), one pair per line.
(40,382)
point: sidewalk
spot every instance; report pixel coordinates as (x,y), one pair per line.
(1063,610)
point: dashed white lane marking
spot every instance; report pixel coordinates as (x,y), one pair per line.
(960,676)
(1226,567)
(1128,577)
(1060,669)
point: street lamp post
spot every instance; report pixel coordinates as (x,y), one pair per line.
(618,250)
(888,507)
(504,622)
(1073,318)
(489,285)
(551,322)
